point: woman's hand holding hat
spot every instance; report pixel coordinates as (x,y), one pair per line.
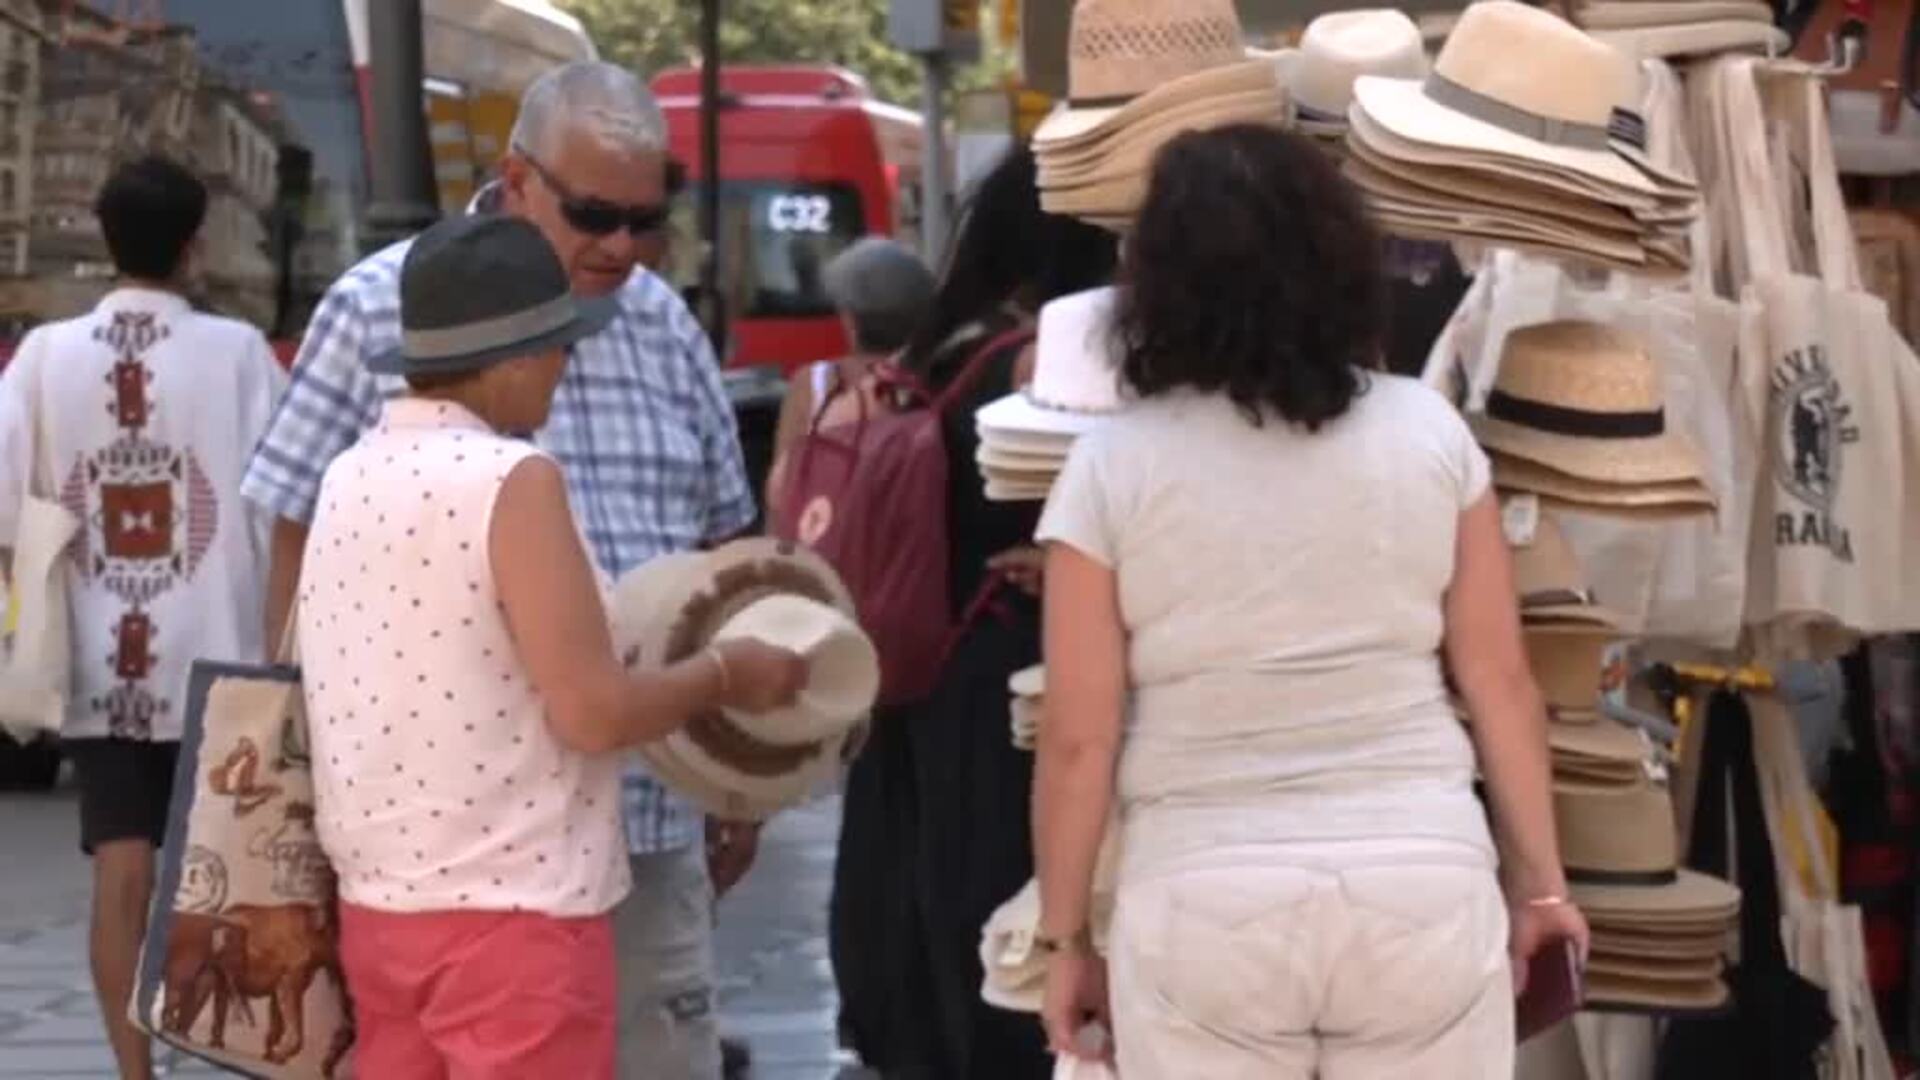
(756,677)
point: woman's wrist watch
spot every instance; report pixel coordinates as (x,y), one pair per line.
(1080,941)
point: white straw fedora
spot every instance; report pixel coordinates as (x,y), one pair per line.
(1127,59)
(1584,399)
(1076,378)
(738,766)
(1341,46)
(1521,83)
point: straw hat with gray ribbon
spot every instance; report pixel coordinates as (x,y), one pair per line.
(1336,50)
(478,291)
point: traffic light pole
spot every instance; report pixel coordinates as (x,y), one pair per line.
(714,313)
(936,175)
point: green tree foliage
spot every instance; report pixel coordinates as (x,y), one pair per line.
(653,35)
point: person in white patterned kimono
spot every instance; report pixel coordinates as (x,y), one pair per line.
(139,418)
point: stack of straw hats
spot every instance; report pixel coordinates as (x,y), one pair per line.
(1334,52)
(1522,136)
(1659,931)
(1567,634)
(1015,967)
(1670,29)
(1029,690)
(1577,416)
(1139,73)
(749,766)
(1025,436)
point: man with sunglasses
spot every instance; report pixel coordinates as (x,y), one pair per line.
(642,426)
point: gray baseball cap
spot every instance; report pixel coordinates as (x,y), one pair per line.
(477,291)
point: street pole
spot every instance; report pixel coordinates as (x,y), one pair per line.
(405,194)
(714,314)
(936,174)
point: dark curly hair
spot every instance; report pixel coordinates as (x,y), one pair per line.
(1253,271)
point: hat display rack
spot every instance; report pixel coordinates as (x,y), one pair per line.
(1513,132)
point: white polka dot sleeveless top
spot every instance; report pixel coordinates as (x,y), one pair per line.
(440,786)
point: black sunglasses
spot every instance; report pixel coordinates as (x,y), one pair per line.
(599,217)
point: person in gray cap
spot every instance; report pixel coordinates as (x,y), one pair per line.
(882,291)
(463,694)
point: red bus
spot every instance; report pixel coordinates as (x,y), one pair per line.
(809,163)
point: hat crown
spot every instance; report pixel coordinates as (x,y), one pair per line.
(1340,47)
(1616,831)
(466,271)
(1579,365)
(1123,48)
(1074,366)
(1535,61)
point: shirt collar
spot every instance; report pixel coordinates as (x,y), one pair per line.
(427,414)
(156,301)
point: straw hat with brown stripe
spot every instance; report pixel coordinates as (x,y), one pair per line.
(746,767)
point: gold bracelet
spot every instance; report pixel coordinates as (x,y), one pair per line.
(1078,941)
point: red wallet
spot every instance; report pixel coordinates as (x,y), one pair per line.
(1554,990)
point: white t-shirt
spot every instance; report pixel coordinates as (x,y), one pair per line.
(139,418)
(1282,592)
(438,784)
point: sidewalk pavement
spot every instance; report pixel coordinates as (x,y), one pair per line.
(776,988)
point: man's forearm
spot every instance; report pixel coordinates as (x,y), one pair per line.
(283,578)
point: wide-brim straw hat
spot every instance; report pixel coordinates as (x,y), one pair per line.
(1076,381)
(1655,502)
(1666,969)
(1639,943)
(1586,400)
(1621,858)
(1131,149)
(1697,39)
(1015,969)
(1128,59)
(1599,741)
(1382,174)
(1521,83)
(1636,14)
(1568,662)
(1618,992)
(744,767)
(1550,583)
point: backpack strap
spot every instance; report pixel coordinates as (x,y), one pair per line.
(976,366)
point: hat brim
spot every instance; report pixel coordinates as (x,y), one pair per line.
(1666,459)
(1069,124)
(672,607)
(1697,39)
(1691,895)
(1018,414)
(1602,15)
(1655,947)
(1602,740)
(1403,108)
(1613,990)
(591,314)
(1444,187)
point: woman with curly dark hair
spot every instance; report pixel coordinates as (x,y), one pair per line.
(1270,554)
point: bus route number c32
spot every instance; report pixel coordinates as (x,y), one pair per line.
(800,213)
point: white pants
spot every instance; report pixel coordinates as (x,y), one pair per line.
(1365,961)
(669,1029)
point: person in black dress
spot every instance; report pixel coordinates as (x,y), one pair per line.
(936,833)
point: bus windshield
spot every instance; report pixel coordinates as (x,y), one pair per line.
(776,238)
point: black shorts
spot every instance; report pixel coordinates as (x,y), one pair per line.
(126,786)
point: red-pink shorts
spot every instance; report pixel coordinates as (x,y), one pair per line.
(480,995)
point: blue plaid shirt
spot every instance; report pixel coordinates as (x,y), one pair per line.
(641,425)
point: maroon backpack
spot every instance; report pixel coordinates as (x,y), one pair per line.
(870,496)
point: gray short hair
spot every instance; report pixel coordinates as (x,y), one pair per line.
(884,289)
(608,102)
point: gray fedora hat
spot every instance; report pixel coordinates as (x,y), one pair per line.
(476,291)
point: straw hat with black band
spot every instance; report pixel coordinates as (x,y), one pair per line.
(1586,400)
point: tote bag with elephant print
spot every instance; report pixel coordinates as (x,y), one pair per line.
(241,964)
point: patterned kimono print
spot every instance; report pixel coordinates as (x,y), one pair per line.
(149,515)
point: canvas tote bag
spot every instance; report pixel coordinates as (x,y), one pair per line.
(241,964)
(1824,378)
(36,643)
(1824,939)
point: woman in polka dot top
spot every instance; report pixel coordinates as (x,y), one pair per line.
(463,694)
